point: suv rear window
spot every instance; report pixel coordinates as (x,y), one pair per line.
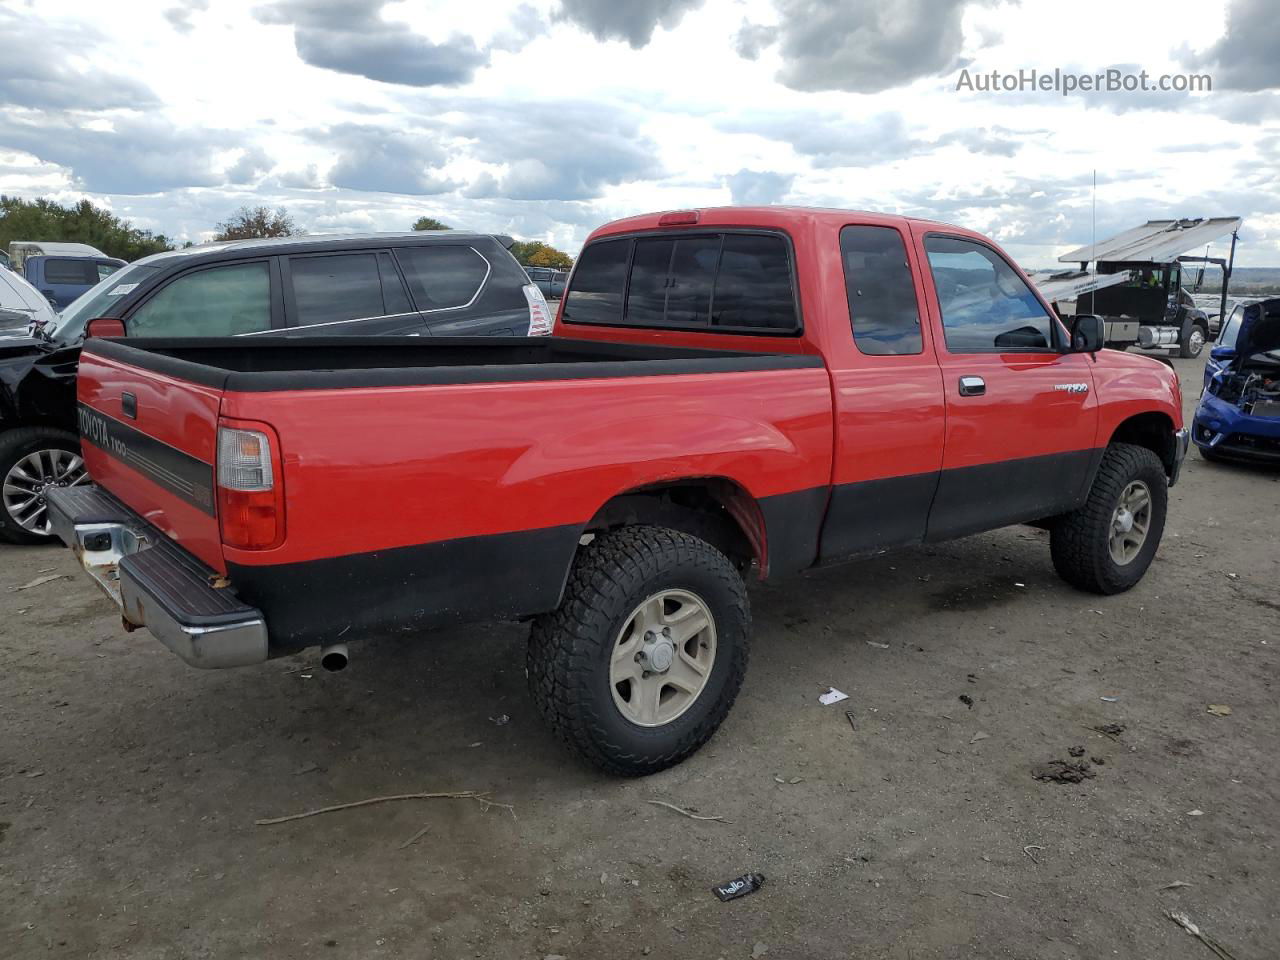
(720,282)
(444,275)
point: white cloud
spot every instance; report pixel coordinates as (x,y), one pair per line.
(546,119)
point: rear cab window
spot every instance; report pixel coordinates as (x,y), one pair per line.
(715,282)
(75,272)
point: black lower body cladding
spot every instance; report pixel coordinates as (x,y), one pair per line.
(497,577)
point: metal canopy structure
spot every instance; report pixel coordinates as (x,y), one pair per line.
(1157,241)
(1075,283)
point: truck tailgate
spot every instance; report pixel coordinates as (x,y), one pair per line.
(150,439)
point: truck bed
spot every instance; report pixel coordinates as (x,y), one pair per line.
(284,363)
(436,481)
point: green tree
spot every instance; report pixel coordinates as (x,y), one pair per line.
(535,253)
(82,222)
(251,223)
(430,223)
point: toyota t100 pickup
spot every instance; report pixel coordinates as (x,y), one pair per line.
(729,389)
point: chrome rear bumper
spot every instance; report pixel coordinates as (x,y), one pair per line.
(156,583)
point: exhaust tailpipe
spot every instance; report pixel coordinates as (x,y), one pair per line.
(333,657)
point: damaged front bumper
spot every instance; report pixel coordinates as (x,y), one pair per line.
(156,583)
(1224,430)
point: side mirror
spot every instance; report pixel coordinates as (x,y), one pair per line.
(105,327)
(1087,333)
(1223,354)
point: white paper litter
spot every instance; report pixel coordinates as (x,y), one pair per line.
(832,696)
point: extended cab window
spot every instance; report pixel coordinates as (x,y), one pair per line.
(720,282)
(338,287)
(218,302)
(443,276)
(986,308)
(882,297)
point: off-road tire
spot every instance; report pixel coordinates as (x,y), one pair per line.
(14,445)
(570,648)
(1078,541)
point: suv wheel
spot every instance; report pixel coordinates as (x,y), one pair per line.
(647,651)
(32,461)
(1106,545)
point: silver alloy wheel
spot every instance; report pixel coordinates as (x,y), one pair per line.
(29,480)
(1130,523)
(1195,342)
(662,658)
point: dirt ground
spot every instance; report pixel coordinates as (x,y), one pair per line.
(129,782)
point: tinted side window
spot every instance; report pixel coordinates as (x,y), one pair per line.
(106,269)
(882,297)
(443,276)
(218,302)
(70,271)
(753,285)
(986,308)
(332,288)
(598,282)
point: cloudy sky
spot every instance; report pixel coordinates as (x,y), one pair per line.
(545,118)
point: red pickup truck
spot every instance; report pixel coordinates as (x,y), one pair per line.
(728,389)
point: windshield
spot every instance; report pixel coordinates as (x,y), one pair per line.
(97,301)
(1231,328)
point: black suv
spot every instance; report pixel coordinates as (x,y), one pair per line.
(411,284)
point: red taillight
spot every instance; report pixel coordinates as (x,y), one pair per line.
(250,505)
(678,218)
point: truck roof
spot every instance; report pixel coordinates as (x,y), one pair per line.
(777,216)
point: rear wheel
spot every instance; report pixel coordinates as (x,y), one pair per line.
(647,651)
(1107,545)
(34,460)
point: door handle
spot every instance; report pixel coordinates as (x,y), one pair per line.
(129,406)
(972,386)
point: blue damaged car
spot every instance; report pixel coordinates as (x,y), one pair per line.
(1239,413)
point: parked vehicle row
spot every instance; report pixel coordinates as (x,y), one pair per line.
(738,388)
(60,271)
(417,285)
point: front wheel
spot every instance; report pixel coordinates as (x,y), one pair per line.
(34,460)
(1194,343)
(647,651)
(1106,545)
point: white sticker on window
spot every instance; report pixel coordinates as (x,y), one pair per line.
(121,290)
